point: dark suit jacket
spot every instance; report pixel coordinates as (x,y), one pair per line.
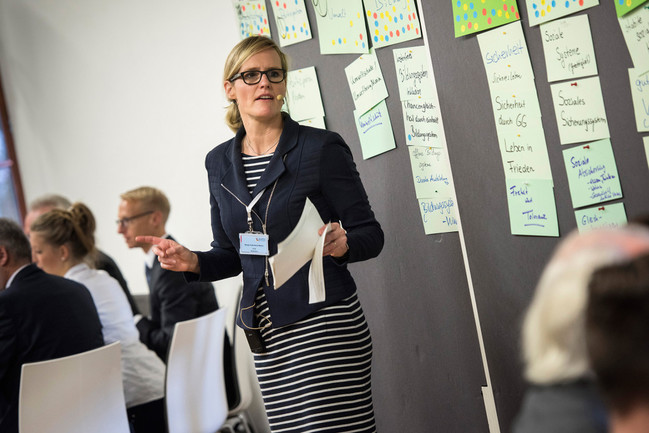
(42,317)
(172,299)
(308,162)
(104,262)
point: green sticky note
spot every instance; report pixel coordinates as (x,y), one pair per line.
(292,22)
(540,11)
(623,7)
(439,215)
(430,171)
(471,16)
(413,77)
(506,58)
(524,152)
(375,130)
(391,22)
(341,27)
(421,123)
(640,95)
(252,17)
(579,109)
(366,82)
(532,210)
(568,48)
(635,29)
(609,216)
(592,173)
(303,94)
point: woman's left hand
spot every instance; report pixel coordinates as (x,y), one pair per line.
(335,241)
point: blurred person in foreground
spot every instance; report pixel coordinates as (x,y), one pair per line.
(562,396)
(100,259)
(62,241)
(312,356)
(617,329)
(42,317)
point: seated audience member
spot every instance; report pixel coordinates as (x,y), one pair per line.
(61,240)
(42,317)
(101,261)
(144,211)
(617,331)
(562,396)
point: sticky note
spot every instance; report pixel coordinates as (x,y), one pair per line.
(439,215)
(640,96)
(579,110)
(605,216)
(366,83)
(252,17)
(292,21)
(540,11)
(592,173)
(568,48)
(532,210)
(341,27)
(470,16)
(421,122)
(303,94)
(413,77)
(430,172)
(391,22)
(635,29)
(375,130)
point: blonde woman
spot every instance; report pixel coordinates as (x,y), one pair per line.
(63,244)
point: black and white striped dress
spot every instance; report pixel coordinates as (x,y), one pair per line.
(316,373)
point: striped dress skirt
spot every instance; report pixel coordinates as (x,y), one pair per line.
(315,374)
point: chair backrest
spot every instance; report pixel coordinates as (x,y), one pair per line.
(195,389)
(76,394)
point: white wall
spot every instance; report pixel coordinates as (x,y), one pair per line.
(105,96)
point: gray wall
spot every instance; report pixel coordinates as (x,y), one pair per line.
(427,368)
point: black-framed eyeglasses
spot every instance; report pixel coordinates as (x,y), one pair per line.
(124,222)
(254,77)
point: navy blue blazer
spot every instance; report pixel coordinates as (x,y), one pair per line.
(308,162)
(42,317)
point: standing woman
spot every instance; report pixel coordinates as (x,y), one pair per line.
(313,361)
(62,244)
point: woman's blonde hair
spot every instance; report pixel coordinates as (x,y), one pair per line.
(238,56)
(74,226)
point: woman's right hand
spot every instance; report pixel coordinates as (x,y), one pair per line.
(171,255)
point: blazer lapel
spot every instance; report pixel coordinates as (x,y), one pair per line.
(276,167)
(234,178)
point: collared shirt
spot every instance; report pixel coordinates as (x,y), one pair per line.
(11,279)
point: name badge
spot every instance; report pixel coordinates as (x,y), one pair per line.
(253,243)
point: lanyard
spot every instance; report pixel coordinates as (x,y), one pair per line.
(251,205)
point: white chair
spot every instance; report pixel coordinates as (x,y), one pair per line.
(76,394)
(195,389)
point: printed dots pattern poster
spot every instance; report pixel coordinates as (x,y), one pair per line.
(252,17)
(472,16)
(623,7)
(341,26)
(391,22)
(541,11)
(292,21)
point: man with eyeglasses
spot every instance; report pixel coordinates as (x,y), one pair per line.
(144,211)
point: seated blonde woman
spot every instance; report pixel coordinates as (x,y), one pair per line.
(63,244)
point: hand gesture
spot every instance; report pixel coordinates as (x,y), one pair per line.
(172,255)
